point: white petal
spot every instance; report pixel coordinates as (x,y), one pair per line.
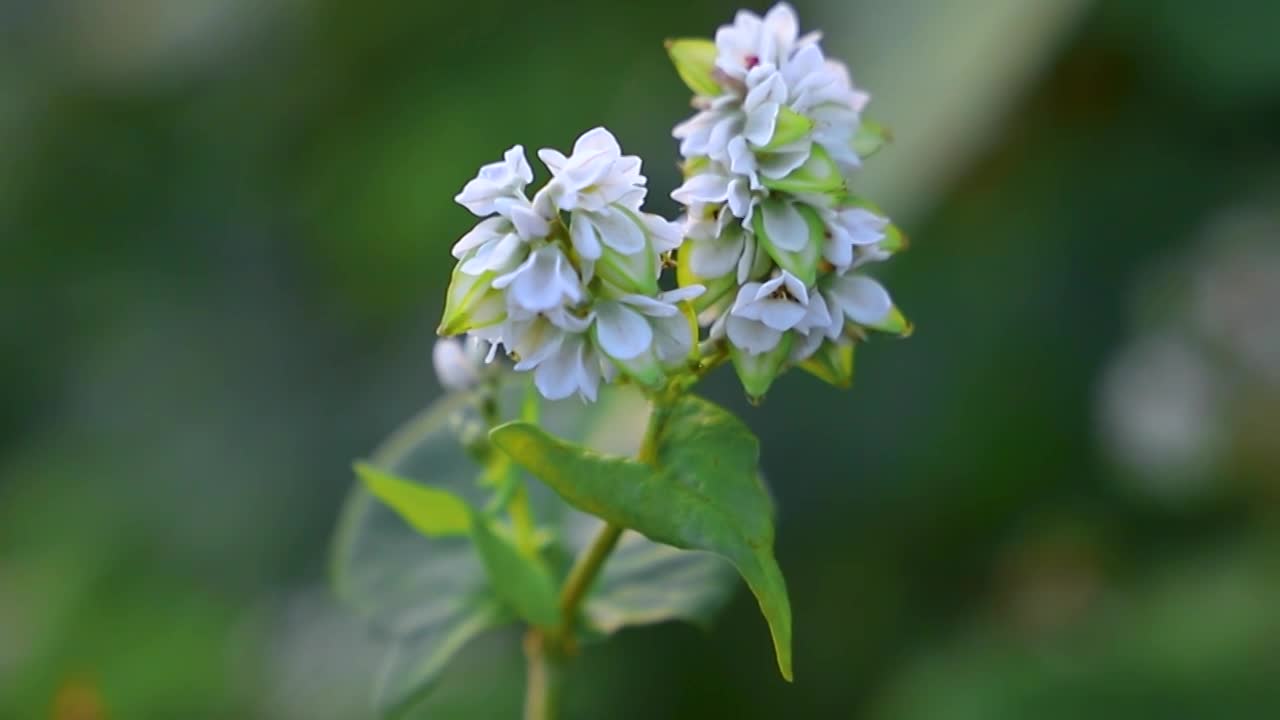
(552,158)
(559,375)
(498,255)
(673,338)
(584,237)
(864,300)
(715,258)
(746,298)
(619,231)
(750,335)
(702,189)
(785,226)
(528,223)
(484,231)
(622,332)
(777,165)
(653,307)
(795,287)
(688,292)
(781,314)
(453,367)
(597,140)
(761,123)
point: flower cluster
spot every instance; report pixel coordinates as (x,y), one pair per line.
(772,231)
(567,283)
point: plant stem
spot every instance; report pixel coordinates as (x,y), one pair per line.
(547,652)
(545,678)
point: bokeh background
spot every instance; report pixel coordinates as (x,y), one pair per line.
(223,246)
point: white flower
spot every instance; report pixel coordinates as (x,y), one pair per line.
(752,40)
(596,175)
(496,182)
(848,229)
(460,364)
(762,312)
(858,298)
(545,281)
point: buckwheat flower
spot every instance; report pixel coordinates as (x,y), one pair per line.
(595,176)
(849,229)
(544,281)
(762,312)
(752,40)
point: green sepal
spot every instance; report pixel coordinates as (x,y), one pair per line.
(471,302)
(870,138)
(804,263)
(832,363)
(757,372)
(635,273)
(716,288)
(789,127)
(895,323)
(818,174)
(699,490)
(694,165)
(695,61)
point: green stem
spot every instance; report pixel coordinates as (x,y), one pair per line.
(547,652)
(545,678)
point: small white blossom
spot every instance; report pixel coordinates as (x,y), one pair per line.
(762,312)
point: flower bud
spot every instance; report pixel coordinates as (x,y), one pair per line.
(459,364)
(471,302)
(695,61)
(716,288)
(635,272)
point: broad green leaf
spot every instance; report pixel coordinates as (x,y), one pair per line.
(428,595)
(425,654)
(430,511)
(522,582)
(695,61)
(703,492)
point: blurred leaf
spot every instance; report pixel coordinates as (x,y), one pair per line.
(431,512)
(415,662)
(703,493)
(432,595)
(521,581)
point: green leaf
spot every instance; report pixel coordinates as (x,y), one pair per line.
(430,511)
(429,596)
(703,493)
(522,582)
(416,660)
(695,61)
(870,138)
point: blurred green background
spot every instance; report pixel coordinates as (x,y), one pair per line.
(223,246)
